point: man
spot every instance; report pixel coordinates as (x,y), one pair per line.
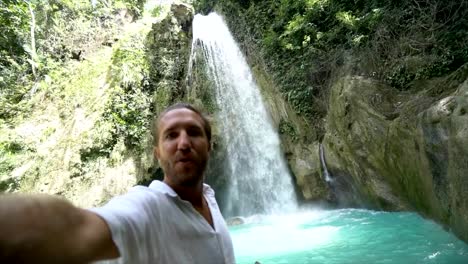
(174,221)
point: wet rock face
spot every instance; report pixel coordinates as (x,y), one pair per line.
(444,128)
(184,15)
(234,221)
(297,140)
(402,151)
(168,51)
(304,163)
(355,141)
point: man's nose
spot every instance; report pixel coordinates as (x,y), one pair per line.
(184,141)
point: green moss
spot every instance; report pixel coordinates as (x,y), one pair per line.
(129,109)
(287,128)
(8,162)
(13,151)
(129,67)
(135,6)
(162,97)
(201,88)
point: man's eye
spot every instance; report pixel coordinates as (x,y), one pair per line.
(194,132)
(171,135)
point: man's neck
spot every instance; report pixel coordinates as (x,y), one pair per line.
(191,193)
(194,195)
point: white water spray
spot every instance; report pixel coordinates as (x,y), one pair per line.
(259,181)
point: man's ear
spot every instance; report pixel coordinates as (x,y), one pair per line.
(156,152)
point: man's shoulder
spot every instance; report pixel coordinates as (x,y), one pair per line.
(160,187)
(152,197)
(207,190)
(156,190)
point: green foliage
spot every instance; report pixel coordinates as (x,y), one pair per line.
(9,149)
(201,87)
(130,113)
(129,110)
(287,128)
(101,143)
(204,6)
(15,24)
(14,68)
(134,6)
(129,66)
(157,10)
(12,151)
(60,31)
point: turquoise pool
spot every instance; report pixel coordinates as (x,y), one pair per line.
(345,236)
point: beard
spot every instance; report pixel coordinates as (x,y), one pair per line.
(184,174)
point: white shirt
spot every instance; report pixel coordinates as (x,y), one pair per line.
(154,225)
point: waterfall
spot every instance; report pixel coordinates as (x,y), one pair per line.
(258,178)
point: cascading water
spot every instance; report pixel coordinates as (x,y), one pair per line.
(259,181)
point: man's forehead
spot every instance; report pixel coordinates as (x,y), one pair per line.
(179,115)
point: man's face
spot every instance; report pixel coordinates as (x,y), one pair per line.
(183,147)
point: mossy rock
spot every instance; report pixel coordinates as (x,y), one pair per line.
(403,152)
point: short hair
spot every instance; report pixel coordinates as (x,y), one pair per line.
(181,105)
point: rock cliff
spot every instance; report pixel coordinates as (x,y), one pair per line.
(403,151)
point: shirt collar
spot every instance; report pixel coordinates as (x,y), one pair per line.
(164,188)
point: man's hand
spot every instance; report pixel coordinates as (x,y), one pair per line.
(48,229)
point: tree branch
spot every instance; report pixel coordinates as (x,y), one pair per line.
(33,40)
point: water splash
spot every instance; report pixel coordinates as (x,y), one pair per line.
(259,181)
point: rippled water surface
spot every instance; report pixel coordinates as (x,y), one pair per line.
(345,236)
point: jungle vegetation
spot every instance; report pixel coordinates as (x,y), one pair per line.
(38,36)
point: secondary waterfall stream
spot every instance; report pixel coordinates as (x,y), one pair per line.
(326,174)
(259,181)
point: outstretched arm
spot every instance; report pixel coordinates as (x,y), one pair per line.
(48,229)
